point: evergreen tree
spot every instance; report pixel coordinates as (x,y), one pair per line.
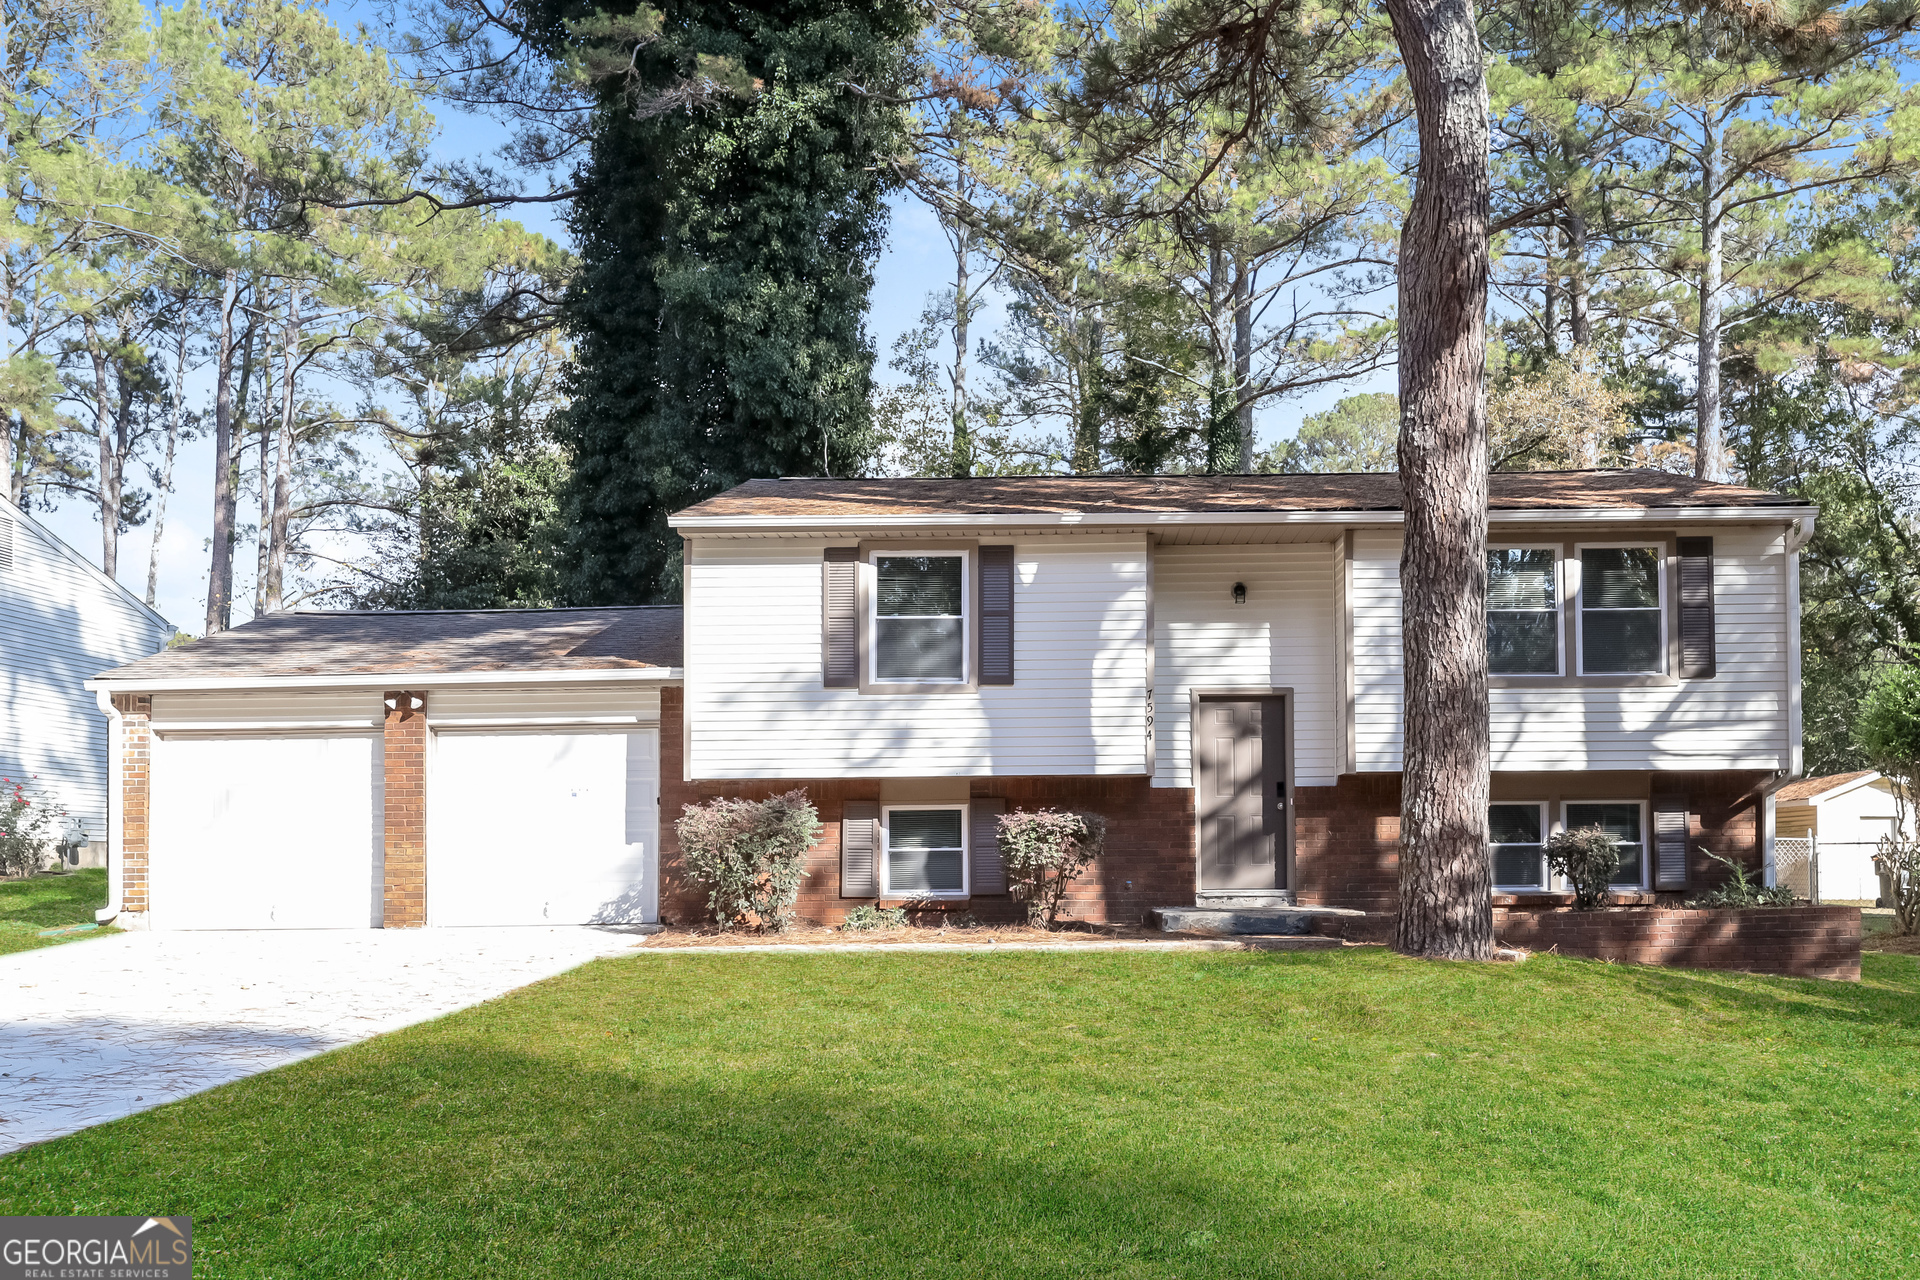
(726,244)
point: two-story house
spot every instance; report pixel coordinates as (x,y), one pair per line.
(1212,663)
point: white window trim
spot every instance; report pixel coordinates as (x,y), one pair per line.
(965,556)
(1559,611)
(1575,571)
(1645,836)
(886,850)
(1546,834)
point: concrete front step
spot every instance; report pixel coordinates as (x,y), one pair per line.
(1244,921)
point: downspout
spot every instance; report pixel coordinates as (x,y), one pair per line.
(1799,533)
(116,823)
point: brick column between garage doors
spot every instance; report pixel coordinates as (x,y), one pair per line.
(136,762)
(404,876)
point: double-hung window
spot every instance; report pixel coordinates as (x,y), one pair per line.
(1523,611)
(1622,611)
(1624,820)
(919,624)
(925,851)
(1517,836)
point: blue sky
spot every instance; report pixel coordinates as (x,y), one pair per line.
(915,263)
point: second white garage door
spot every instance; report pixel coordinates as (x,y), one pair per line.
(543,827)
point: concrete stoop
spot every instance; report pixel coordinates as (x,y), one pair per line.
(1245,921)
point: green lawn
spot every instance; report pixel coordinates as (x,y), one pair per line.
(1182,1115)
(49,902)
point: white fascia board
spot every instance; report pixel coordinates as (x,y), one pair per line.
(1162,519)
(386,680)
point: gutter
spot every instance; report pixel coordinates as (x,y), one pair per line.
(116,817)
(385,680)
(1800,514)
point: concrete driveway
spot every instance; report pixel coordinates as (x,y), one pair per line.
(97,1029)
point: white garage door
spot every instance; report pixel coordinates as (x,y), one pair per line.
(265,832)
(543,827)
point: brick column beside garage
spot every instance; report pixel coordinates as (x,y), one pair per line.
(405,819)
(136,759)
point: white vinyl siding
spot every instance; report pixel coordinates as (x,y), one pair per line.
(244,710)
(756,706)
(544,704)
(1737,720)
(1284,636)
(62,623)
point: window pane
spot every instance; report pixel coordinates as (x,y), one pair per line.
(1622,821)
(1523,644)
(1513,823)
(918,649)
(1619,578)
(1517,866)
(1520,579)
(918,586)
(911,871)
(923,829)
(923,851)
(1626,641)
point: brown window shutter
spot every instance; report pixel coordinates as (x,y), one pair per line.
(983,837)
(996,615)
(840,632)
(1669,845)
(859,839)
(1696,608)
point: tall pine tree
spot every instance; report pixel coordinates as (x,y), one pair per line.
(727,225)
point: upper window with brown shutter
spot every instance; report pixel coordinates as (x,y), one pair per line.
(1697,654)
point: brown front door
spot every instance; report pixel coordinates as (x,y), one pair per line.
(1239,749)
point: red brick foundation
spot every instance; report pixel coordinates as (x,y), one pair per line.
(1800,942)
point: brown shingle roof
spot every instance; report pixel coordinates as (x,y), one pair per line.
(425,643)
(1122,495)
(1808,788)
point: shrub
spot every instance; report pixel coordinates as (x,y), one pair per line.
(1588,857)
(867,916)
(1744,890)
(1887,731)
(748,854)
(1044,852)
(30,826)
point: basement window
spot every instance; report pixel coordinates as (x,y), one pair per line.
(925,851)
(1626,821)
(1516,839)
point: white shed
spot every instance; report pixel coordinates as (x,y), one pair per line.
(1842,817)
(61,620)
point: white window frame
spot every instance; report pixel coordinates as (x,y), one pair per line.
(1577,568)
(1560,571)
(965,556)
(886,849)
(1646,835)
(1546,834)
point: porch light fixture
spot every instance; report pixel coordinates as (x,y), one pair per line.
(1239,593)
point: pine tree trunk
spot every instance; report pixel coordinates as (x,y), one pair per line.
(220,571)
(1086,436)
(1243,360)
(107,483)
(1446,907)
(1579,319)
(962,309)
(166,466)
(1709,457)
(1223,425)
(283,461)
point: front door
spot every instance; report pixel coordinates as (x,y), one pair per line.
(1239,758)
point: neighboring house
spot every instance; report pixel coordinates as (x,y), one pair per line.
(1843,817)
(61,620)
(1213,663)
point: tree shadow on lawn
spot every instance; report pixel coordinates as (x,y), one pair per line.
(410,1158)
(1888,994)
